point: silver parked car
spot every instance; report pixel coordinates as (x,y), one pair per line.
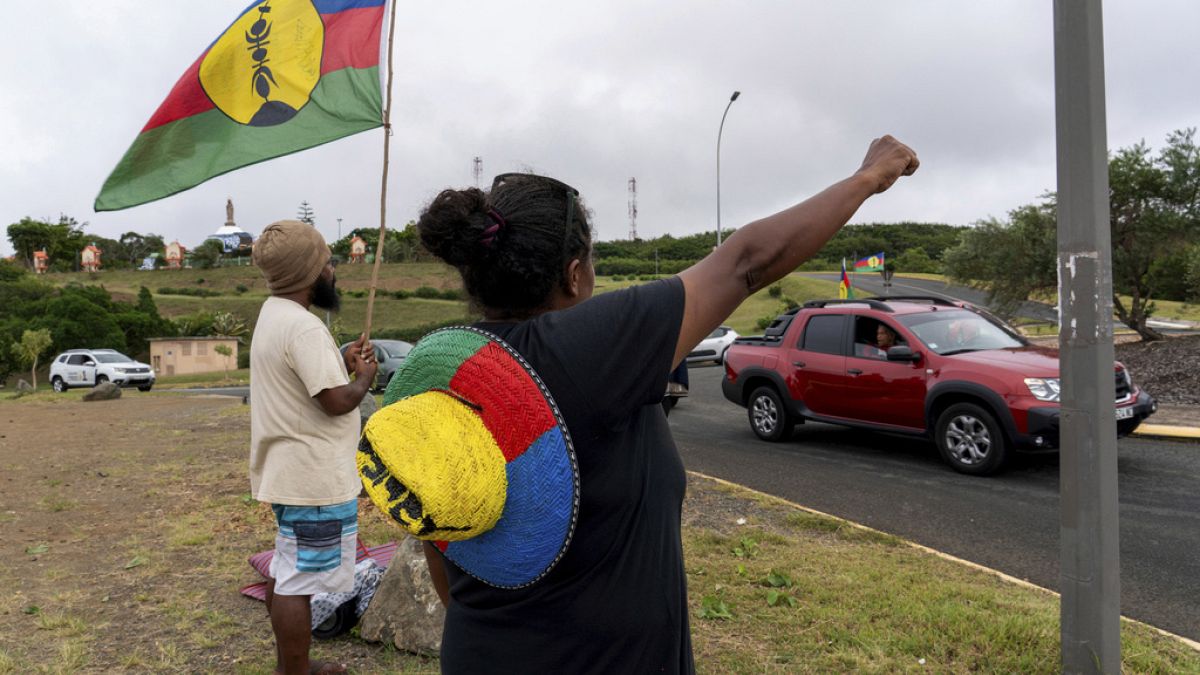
(389,354)
(712,348)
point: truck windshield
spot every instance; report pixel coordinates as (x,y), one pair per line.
(955,331)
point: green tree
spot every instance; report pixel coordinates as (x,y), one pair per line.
(1154,206)
(208,255)
(1011,259)
(917,260)
(136,247)
(80,317)
(225,353)
(32,345)
(305,213)
(62,240)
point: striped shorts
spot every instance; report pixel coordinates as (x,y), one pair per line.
(314,548)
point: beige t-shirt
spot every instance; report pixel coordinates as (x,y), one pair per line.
(299,454)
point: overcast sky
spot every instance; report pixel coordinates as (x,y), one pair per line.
(600,92)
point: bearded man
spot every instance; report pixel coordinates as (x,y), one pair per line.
(304,434)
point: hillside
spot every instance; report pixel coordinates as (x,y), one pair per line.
(241,290)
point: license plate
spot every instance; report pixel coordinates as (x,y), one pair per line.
(1125,413)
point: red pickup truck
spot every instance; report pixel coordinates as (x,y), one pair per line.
(949,371)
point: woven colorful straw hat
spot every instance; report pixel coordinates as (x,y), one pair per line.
(470,452)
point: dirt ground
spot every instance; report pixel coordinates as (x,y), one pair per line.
(126,527)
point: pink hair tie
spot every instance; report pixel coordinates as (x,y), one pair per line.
(488,238)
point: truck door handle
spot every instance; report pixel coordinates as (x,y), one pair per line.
(798,364)
(854,371)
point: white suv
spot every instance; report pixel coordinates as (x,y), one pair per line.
(90,367)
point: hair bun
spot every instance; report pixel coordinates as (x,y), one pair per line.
(452,225)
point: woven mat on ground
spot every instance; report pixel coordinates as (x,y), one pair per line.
(261,562)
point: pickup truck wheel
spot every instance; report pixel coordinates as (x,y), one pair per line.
(59,384)
(768,417)
(101,379)
(970,439)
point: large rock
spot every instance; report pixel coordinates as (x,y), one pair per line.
(105,391)
(406,610)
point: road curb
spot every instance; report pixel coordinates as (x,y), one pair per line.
(1168,431)
(946,556)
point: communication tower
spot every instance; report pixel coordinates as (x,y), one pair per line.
(633,235)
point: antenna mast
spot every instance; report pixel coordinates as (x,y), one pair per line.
(633,235)
(478,169)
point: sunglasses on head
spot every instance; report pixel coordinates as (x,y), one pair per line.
(570,192)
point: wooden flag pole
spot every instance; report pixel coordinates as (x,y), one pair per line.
(387,137)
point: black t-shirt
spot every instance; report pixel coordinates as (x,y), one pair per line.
(617,600)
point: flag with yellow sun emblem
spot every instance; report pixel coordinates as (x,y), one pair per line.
(285,76)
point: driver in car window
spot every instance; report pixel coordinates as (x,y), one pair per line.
(885,338)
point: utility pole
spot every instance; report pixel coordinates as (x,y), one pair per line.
(339,229)
(633,209)
(477,169)
(1089,565)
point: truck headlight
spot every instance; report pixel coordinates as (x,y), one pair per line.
(1043,388)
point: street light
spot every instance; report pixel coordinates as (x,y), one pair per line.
(733,98)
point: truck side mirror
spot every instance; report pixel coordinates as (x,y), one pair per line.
(902,353)
(89,362)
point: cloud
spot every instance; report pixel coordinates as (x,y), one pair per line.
(597,93)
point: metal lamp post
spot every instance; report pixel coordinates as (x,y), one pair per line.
(720,130)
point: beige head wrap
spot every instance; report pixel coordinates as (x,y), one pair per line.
(291,255)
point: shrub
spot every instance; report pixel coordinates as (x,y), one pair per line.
(764,321)
(427,292)
(775,291)
(194,292)
(243,358)
(452,294)
(241,288)
(401,294)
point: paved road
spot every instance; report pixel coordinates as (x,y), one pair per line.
(1008,522)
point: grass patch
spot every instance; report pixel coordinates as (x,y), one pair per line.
(796,287)
(55,504)
(202,380)
(833,597)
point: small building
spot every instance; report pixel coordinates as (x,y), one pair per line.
(358,250)
(41,261)
(89,258)
(188,355)
(174,255)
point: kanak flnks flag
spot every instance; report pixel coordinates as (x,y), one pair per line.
(845,290)
(871,263)
(285,76)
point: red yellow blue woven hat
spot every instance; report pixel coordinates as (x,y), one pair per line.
(471,452)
